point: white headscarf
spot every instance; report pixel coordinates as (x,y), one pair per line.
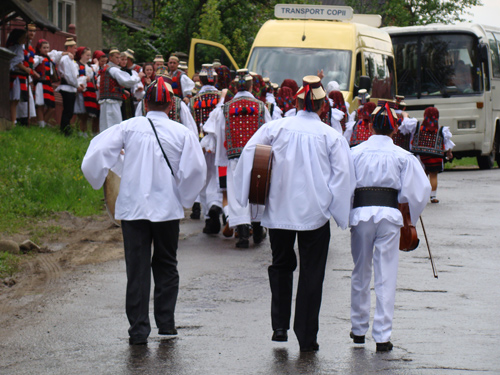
(332,86)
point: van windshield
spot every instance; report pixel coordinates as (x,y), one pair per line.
(279,63)
(437,65)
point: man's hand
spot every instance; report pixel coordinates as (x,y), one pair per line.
(80,88)
(320,74)
(35,74)
(141,74)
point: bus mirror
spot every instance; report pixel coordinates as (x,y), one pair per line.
(365,82)
(483,52)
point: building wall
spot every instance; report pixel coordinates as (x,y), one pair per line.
(88,23)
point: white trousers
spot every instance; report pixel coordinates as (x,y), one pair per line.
(376,243)
(210,195)
(239,214)
(22,107)
(110,115)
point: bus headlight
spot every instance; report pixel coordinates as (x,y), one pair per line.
(466,124)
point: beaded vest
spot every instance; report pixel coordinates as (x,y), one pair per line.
(430,143)
(176,83)
(360,133)
(175,112)
(243,116)
(109,87)
(202,105)
(400,139)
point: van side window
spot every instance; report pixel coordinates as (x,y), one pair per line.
(495,56)
(359,69)
(380,68)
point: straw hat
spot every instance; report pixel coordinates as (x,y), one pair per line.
(130,54)
(114,50)
(158,58)
(314,83)
(69,42)
(183,65)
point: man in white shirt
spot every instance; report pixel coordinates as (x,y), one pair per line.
(312,179)
(181,84)
(68,72)
(385,176)
(228,129)
(163,171)
(111,90)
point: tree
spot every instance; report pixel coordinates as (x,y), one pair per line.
(415,12)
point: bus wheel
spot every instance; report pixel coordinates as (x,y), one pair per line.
(487,161)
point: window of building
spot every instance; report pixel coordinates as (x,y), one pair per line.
(61,13)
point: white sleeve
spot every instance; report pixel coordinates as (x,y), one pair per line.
(187,119)
(267,116)
(103,153)
(187,85)
(408,125)
(124,79)
(55,56)
(415,187)
(69,71)
(192,172)
(277,112)
(342,182)
(448,143)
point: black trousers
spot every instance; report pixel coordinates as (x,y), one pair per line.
(313,251)
(138,235)
(68,110)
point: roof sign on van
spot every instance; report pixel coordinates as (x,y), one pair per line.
(316,12)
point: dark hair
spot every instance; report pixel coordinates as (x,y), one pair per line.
(146,64)
(317,104)
(204,80)
(155,106)
(381,124)
(14,36)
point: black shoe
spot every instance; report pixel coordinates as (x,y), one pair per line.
(384,346)
(137,341)
(196,211)
(311,348)
(280,335)
(243,235)
(357,339)
(259,233)
(171,332)
(213,223)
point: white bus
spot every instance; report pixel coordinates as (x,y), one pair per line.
(455,68)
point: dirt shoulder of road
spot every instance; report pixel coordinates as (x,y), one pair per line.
(78,241)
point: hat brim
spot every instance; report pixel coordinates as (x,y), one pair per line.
(317,93)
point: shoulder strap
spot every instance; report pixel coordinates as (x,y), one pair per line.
(163,152)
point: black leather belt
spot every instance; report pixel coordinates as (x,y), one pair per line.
(375,196)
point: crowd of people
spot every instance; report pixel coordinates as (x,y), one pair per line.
(177,142)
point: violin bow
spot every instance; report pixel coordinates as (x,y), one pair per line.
(434,270)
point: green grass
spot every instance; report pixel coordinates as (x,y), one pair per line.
(39,175)
(463,163)
(9,264)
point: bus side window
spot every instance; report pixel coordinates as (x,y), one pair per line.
(495,58)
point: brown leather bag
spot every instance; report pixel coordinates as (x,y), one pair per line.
(409,239)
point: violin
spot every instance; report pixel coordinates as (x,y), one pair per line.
(409,239)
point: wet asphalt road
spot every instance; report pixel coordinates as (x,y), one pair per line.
(449,325)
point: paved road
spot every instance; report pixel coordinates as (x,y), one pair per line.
(448,325)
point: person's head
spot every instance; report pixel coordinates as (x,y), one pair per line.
(243,80)
(83,54)
(130,57)
(114,56)
(292,84)
(148,69)
(173,63)
(384,119)
(332,86)
(207,75)
(101,57)
(183,66)
(70,46)
(123,60)
(159,95)
(31,31)
(16,36)
(338,100)
(311,95)
(42,47)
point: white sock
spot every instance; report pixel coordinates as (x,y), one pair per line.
(433,194)
(41,124)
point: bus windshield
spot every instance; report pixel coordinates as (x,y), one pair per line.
(281,63)
(437,64)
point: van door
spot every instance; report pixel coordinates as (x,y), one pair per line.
(205,52)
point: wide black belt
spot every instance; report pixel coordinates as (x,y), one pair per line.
(375,196)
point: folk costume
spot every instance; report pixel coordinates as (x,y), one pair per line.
(312,179)
(18,78)
(360,131)
(430,142)
(385,175)
(181,83)
(68,71)
(44,92)
(201,106)
(86,101)
(228,129)
(270,100)
(31,61)
(406,125)
(153,192)
(111,93)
